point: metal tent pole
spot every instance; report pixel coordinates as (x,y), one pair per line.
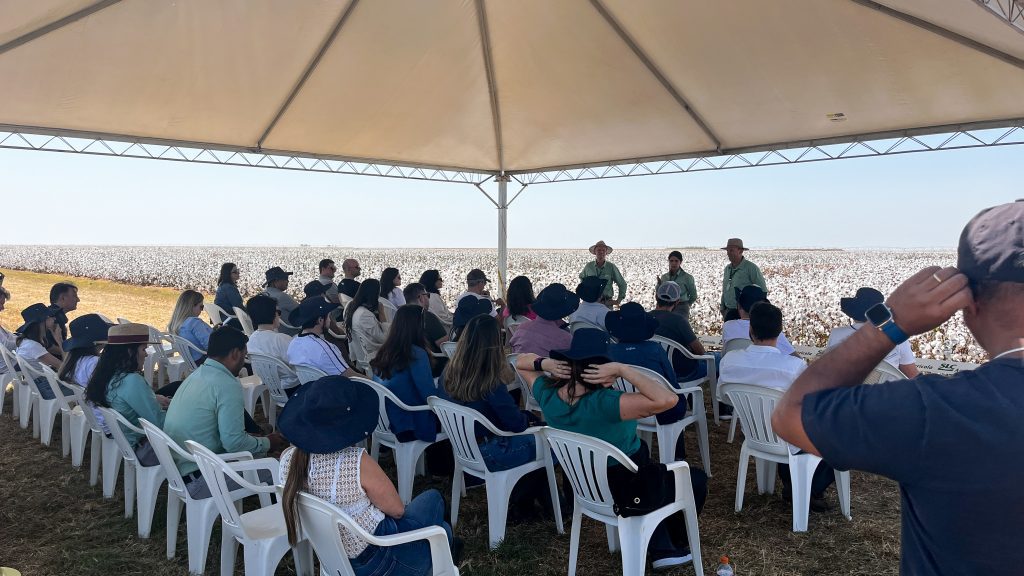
(502,233)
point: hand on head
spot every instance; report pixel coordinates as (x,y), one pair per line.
(927,299)
(602,374)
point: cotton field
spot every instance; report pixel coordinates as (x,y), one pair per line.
(806,284)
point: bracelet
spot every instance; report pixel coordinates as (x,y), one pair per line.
(537,362)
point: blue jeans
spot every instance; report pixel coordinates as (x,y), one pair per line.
(507,452)
(412,559)
(46,392)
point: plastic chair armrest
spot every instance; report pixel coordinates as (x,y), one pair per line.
(235,456)
(269,464)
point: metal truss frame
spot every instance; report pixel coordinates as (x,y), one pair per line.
(789,154)
(14,138)
(1012,11)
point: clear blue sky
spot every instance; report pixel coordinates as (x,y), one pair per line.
(913,200)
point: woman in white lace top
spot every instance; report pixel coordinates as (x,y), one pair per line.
(324,420)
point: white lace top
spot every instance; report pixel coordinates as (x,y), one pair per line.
(335,478)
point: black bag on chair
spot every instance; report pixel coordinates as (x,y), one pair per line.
(653,486)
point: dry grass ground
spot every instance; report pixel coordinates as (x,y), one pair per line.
(53,523)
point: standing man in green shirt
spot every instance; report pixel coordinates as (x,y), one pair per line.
(208,409)
(683,279)
(739,273)
(606,271)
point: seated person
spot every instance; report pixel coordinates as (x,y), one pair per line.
(326,422)
(745,300)
(677,328)
(63,299)
(478,377)
(117,383)
(432,281)
(82,349)
(391,287)
(209,409)
(436,333)
(593,307)
(578,397)
(547,332)
(465,311)
(185,322)
(364,320)
(520,300)
(32,336)
(476,286)
(310,348)
(901,357)
(227,296)
(267,340)
(276,284)
(763,364)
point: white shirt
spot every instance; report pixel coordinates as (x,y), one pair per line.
(84,368)
(32,351)
(368,331)
(312,350)
(760,365)
(9,341)
(494,312)
(396,297)
(740,328)
(590,312)
(274,344)
(438,307)
(901,355)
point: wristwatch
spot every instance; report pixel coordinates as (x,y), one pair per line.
(881,316)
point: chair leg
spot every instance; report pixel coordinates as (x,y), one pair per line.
(173,519)
(78,434)
(95,456)
(667,439)
(732,429)
(111,466)
(843,490)
(800,472)
(613,537)
(24,404)
(556,504)
(35,416)
(228,552)
(771,474)
(200,518)
(404,461)
(761,468)
(693,536)
(129,489)
(741,476)
(148,486)
(498,493)
(634,550)
(574,537)
(458,481)
(703,443)
(65,433)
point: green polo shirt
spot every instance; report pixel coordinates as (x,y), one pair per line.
(132,396)
(686,285)
(607,272)
(741,276)
(208,409)
(595,414)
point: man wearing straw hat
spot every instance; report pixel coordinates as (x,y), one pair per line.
(605,270)
(739,273)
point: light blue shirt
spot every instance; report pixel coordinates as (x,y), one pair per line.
(197,332)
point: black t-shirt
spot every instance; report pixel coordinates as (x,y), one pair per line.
(348,287)
(435,330)
(675,327)
(956,446)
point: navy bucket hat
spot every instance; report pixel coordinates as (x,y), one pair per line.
(591,345)
(555,302)
(631,323)
(329,414)
(86,332)
(857,306)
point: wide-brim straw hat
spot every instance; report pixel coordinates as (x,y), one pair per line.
(600,243)
(127,335)
(329,414)
(737,242)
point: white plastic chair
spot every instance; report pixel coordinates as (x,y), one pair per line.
(671,346)
(270,369)
(320,520)
(253,389)
(44,412)
(389,309)
(83,425)
(217,314)
(244,320)
(183,348)
(142,482)
(449,348)
(21,400)
(262,532)
(407,454)
(308,374)
(669,434)
(584,460)
(459,423)
(104,318)
(584,325)
(201,514)
(121,320)
(736,344)
(754,405)
(65,408)
(358,354)
(529,402)
(162,356)
(883,373)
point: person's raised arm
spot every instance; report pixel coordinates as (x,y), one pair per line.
(921,303)
(50,360)
(526,367)
(651,396)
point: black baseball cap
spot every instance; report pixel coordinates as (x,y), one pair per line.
(992,245)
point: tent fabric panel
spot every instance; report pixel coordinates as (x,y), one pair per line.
(757,86)
(19,17)
(571,91)
(967,18)
(186,70)
(403,81)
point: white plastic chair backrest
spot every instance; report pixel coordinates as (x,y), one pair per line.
(628,387)
(269,370)
(214,471)
(287,326)
(754,405)
(55,383)
(459,422)
(184,348)
(104,318)
(110,416)
(584,460)
(383,396)
(583,325)
(10,360)
(389,308)
(883,373)
(244,320)
(30,372)
(308,373)
(87,411)
(164,447)
(449,348)
(735,344)
(157,349)
(319,521)
(671,346)
(217,314)
(344,300)
(123,320)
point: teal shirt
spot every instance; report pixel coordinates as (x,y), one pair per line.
(686,285)
(131,396)
(607,272)
(595,414)
(744,275)
(207,409)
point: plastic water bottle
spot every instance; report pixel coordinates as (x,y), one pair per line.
(724,568)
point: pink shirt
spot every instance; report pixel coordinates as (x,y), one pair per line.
(540,337)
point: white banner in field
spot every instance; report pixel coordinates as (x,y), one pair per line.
(812,353)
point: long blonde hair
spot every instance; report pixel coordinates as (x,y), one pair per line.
(478,365)
(183,309)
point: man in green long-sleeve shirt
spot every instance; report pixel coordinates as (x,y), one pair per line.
(682,278)
(739,273)
(208,409)
(606,271)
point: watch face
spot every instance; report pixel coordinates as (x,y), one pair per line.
(878,314)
